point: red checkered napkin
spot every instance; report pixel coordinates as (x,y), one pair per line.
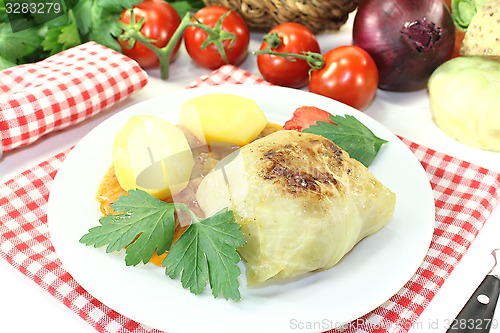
(63,90)
(464,193)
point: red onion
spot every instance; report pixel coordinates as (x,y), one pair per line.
(408,39)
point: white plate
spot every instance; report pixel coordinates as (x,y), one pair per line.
(368,276)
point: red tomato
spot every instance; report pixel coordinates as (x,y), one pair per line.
(297,39)
(306,116)
(210,57)
(160,22)
(350,76)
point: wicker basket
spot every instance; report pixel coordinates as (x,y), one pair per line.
(317,15)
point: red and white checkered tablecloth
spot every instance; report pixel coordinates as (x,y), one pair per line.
(464,193)
(63,90)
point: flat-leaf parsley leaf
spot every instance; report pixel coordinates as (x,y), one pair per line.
(351,135)
(144,222)
(205,252)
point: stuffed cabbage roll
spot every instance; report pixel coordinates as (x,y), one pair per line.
(301,201)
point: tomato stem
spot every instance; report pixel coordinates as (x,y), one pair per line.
(131,33)
(273,40)
(216,35)
(314,60)
(164,54)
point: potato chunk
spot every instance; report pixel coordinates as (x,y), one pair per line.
(152,154)
(223,118)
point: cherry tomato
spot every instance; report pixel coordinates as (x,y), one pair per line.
(160,22)
(210,57)
(305,117)
(297,39)
(350,76)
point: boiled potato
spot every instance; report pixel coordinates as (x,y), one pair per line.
(223,118)
(151,154)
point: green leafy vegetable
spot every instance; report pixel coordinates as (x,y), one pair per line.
(184,6)
(104,16)
(86,20)
(17,48)
(60,35)
(351,135)
(206,251)
(145,217)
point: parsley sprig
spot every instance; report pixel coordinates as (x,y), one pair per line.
(37,38)
(351,135)
(205,252)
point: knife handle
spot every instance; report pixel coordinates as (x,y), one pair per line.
(477,314)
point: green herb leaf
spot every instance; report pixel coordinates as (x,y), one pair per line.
(88,20)
(82,16)
(207,252)
(60,34)
(351,135)
(144,222)
(105,15)
(69,36)
(4,63)
(16,48)
(184,6)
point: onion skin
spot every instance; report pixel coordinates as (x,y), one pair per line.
(405,60)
